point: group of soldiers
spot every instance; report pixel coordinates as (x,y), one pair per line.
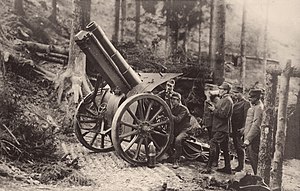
(227,113)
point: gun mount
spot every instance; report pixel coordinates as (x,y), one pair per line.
(125,115)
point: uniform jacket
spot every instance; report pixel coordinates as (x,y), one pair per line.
(239,114)
(181,117)
(222,115)
(207,115)
(253,122)
(166,96)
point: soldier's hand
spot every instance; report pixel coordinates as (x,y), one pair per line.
(246,143)
(211,108)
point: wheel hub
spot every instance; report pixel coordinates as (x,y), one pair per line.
(145,127)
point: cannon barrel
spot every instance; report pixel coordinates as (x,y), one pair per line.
(98,59)
(129,74)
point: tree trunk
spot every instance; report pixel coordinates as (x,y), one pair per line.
(276,173)
(137,20)
(173,24)
(115,36)
(212,25)
(123,10)
(200,32)
(267,128)
(266,40)
(243,46)
(53,16)
(76,63)
(19,10)
(86,13)
(218,40)
(168,13)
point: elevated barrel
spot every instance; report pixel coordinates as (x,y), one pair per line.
(129,74)
(100,60)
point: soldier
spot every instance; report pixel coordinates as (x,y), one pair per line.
(238,120)
(221,127)
(167,93)
(252,127)
(181,117)
(207,114)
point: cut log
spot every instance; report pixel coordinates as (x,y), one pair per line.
(43,48)
(51,58)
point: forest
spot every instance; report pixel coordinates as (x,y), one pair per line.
(53,74)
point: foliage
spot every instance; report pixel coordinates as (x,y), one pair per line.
(24,136)
(144,59)
(52,173)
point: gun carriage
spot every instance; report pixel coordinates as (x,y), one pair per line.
(124,115)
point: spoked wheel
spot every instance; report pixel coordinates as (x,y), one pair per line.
(193,150)
(90,124)
(140,120)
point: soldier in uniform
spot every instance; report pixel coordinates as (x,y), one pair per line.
(238,120)
(181,117)
(222,112)
(167,93)
(252,127)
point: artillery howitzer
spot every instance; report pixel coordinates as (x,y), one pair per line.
(126,116)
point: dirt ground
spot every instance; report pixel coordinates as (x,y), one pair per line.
(110,173)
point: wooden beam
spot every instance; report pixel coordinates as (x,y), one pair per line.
(277,70)
(277,165)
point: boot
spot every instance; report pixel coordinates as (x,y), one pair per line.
(238,169)
(226,170)
(175,164)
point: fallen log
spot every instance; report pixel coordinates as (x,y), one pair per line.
(57,55)
(51,58)
(43,48)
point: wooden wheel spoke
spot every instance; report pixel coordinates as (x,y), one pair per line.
(90,111)
(156,114)
(130,143)
(141,109)
(160,123)
(102,141)
(128,134)
(85,133)
(159,133)
(158,148)
(87,120)
(146,143)
(138,148)
(149,109)
(94,138)
(87,116)
(129,125)
(132,115)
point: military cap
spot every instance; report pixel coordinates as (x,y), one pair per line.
(237,89)
(176,95)
(255,93)
(225,86)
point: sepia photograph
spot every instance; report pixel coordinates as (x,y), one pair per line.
(149,95)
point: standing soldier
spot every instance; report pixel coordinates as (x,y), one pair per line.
(221,128)
(252,127)
(238,120)
(208,121)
